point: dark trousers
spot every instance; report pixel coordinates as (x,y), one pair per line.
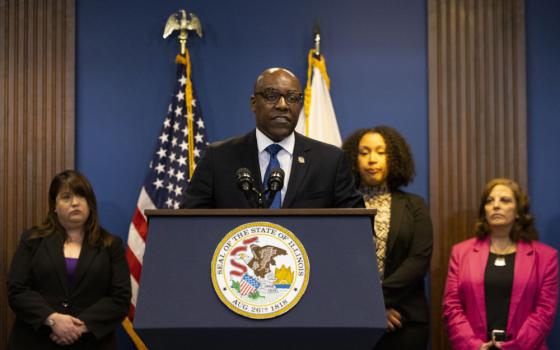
(413,336)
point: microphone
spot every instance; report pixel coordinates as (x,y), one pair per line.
(276,180)
(244,179)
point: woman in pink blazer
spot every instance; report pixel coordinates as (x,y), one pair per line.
(502,286)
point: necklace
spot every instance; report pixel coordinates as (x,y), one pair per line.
(500,261)
(500,255)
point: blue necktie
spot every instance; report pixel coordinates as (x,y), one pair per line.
(273,150)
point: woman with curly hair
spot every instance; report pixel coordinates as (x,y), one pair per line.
(502,286)
(382,163)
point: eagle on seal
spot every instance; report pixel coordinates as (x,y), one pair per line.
(263,257)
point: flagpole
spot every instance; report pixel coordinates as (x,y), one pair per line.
(317,40)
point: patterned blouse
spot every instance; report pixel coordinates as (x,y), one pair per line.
(379,198)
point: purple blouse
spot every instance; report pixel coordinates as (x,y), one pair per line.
(71,264)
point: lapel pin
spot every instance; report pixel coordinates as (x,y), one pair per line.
(300,160)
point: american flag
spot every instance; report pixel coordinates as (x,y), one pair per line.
(180,144)
(248,285)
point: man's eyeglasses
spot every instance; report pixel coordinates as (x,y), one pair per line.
(273,96)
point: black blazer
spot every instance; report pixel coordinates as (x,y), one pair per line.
(38,286)
(320,176)
(408,255)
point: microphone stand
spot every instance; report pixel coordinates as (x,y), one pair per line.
(256,198)
(260,199)
(261,202)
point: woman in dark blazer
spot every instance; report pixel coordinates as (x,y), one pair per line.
(69,283)
(382,163)
(502,285)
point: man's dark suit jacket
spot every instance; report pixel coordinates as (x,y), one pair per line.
(38,286)
(320,176)
(408,255)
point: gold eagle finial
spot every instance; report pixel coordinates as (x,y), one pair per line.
(183,23)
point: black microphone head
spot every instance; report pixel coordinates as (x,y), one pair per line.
(276,179)
(244,179)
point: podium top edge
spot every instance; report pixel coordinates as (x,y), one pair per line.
(260,212)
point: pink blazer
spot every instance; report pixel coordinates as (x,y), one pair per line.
(533,300)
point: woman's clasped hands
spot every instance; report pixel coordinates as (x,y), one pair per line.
(66,329)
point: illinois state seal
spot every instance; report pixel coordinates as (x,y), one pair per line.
(260,270)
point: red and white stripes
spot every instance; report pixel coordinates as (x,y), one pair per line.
(137,235)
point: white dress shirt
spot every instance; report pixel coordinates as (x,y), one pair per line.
(284,156)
